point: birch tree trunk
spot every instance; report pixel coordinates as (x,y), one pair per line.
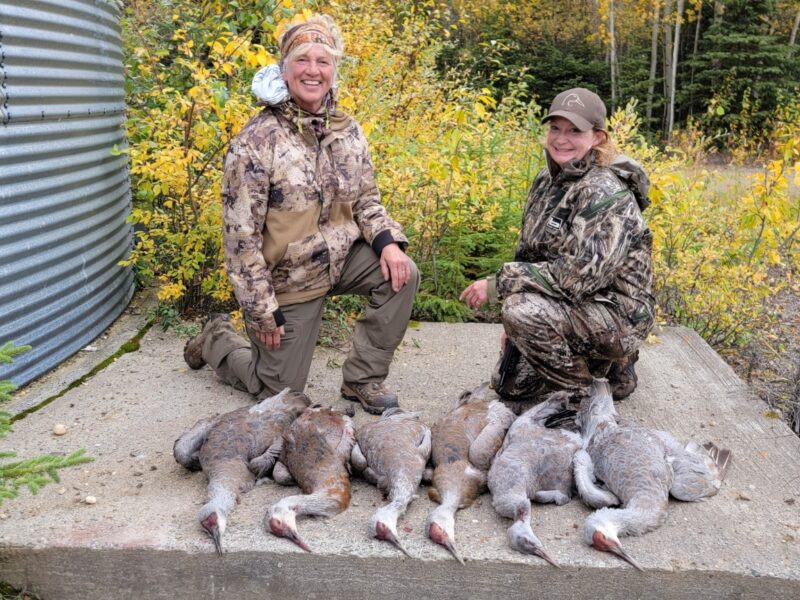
(675,47)
(793,37)
(612,40)
(694,52)
(696,36)
(668,82)
(651,85)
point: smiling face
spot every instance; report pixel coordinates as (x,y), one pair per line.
(565,142)
(309,76)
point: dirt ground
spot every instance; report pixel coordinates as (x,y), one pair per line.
(770,364)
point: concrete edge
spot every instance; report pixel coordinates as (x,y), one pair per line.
(87,574)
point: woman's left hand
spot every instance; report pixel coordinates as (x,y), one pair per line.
(476,293)
(395,265)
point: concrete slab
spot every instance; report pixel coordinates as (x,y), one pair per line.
(141,540)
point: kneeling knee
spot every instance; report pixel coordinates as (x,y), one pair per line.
(521,311)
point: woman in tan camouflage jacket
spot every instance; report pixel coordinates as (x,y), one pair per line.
(303,220)
(577,299)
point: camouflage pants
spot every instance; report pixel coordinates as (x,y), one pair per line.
(564,346)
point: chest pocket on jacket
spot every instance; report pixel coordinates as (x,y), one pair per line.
(346,169)
(294,186)
(557,223)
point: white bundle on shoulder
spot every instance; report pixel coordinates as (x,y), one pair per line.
(269,87)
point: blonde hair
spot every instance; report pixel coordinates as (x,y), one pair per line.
(605,151)
(318,22)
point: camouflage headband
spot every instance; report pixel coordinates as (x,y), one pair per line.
(306,34)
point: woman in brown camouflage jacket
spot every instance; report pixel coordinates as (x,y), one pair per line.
(577,299)
(302,220)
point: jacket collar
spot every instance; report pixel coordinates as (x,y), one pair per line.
(574,169)
(325,126)
(630,173)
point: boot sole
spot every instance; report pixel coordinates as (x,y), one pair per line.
(373,410)
(199,365)
(192,365)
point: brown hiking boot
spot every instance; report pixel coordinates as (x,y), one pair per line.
(622,377)
(193,350)
(374,397)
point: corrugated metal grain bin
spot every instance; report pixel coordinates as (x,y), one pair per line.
(64,193)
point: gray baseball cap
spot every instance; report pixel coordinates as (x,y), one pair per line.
(582,107)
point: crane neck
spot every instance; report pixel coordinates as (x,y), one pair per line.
(221,497)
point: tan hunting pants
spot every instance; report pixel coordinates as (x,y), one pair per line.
(378,332)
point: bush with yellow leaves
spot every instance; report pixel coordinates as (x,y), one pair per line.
(723,239)
(189,66)
(453,163)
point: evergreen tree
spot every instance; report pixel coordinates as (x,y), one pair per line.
(741,70)
(519,51)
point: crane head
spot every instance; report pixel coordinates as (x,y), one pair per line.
(383,526)
(603,536)
(213,523)
(522,539)
(282,523)
(441,529)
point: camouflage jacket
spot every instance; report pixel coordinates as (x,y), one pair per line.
(293,203)
(584,238)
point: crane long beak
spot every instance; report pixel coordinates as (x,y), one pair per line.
(620,551)
(452,548)
(216,537)
(529,548)
(540,552)
(295,537)
(396,542)
(385,533)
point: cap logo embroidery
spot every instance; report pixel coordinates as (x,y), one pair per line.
(571,99)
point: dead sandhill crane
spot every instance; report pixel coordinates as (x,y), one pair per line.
(698,471)
(534,463)
(234,450)
(639,470)
(391,453)
(463,444)
(316,456)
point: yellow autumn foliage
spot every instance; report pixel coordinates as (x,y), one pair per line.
(722,238)
(453,163)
